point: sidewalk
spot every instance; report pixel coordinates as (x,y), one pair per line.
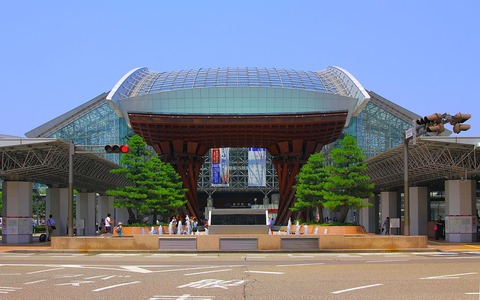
(443,246)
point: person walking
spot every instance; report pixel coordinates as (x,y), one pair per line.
(50,227)
(386,226)
(108,223)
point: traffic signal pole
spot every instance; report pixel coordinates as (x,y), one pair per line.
(71,152)
(406,187)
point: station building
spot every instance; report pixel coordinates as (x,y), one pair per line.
(239,136)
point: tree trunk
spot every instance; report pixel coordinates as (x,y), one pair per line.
(342,214)
(131,215)
(155,216)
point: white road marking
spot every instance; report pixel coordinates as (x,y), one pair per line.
(299,265)
(348,255)
(389,260)
(36,281)
(75,283)
(357,288)
(19,256)
(265,272)
(10,274)
(68,276)
(136,269)
(7,289)
(206,272)
(97,276)
(42,271)
(176,269)
(213,283)
(461,257)
(300,256)
(115,286)
(118,254)
(65,256)
(182,297)
(450,276)
(174,254)
(253,256)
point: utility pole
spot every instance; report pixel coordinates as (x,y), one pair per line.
(71,152)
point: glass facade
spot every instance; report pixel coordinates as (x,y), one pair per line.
(377,129)
(95,128)
(239,90)
(243,91)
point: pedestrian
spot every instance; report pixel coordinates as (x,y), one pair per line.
(50,227)
(119,229)
(438,228)
(194,224)
(386,226)
(108,224)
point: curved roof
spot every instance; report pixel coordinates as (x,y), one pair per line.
(217,77)
(142,81)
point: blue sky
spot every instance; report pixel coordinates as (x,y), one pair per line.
(56,55)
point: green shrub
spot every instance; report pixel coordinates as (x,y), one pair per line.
(39,229)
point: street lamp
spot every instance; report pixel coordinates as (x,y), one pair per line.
(432,124)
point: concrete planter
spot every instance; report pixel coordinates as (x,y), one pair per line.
(129,231)
(325,230)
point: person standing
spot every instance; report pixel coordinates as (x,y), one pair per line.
(50,227)
(108,224)
(438,228)
(120,229)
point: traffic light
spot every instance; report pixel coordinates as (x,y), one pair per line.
(437,128)
(457,128)
(457,121)
(435,118)
(459,118)
(116,148)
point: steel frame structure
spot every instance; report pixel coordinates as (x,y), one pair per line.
(47,161)
(431,161)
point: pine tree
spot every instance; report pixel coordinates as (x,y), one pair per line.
(311,179)
(347,184)
(156,186)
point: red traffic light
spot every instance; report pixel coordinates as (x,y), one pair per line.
(116,148)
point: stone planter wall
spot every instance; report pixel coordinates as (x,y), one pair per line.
(262,242)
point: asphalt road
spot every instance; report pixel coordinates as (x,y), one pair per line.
(422,275)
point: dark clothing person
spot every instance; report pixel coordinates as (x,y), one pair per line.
(438,228)
(386,226)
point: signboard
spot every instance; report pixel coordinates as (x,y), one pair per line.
(408,133)
(395,223)
(18,225)
(220,167)
(257,173)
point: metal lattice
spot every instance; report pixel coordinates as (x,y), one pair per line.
(238,174)
(429,161)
